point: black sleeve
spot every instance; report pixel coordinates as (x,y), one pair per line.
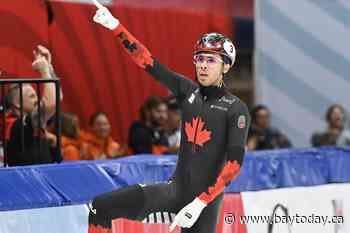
(239,123)
(176,83)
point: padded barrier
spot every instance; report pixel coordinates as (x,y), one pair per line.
(78,182)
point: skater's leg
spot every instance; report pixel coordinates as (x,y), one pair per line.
(122,203)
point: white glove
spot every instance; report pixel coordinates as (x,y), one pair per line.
(189,214)
(104,17)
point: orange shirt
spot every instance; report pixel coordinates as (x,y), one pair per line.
(98,148)
(70,148)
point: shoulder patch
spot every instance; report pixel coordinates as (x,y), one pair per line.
(242,122)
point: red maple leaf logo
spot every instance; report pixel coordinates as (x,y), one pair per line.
(196,133)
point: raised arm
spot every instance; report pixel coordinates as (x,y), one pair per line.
(176,83)
(42,64)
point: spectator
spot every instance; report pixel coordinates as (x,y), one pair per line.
(147,136)
(174,124)
(100,144)
(262,136)
(335,133)
(71,146)
(37,148)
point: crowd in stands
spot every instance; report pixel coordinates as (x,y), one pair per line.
(336,133)
(263,136)
(157,130)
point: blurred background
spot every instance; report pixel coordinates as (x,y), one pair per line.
(95,71)
(293,63)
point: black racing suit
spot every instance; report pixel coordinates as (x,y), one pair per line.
(214,131)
